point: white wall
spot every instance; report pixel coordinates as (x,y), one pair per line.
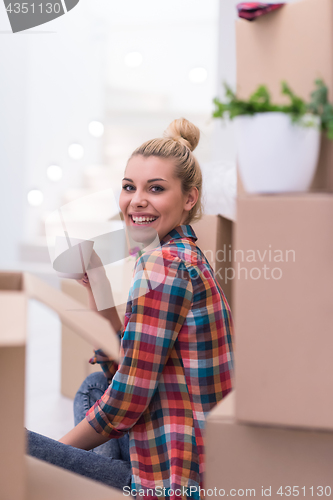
(65,92)
(51,88)
(173,37)
(224,146)
(13,145)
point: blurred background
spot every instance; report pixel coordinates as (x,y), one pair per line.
(77,96)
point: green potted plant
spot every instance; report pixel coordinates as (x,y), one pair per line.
(278,145)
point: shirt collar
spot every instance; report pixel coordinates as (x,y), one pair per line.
(182,231)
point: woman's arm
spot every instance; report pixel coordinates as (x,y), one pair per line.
(83,436)
(110,314)
(108,365)
(102,290)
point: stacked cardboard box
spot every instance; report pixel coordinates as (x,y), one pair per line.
(273,435)
(283,310)
(258,461)
(276,428)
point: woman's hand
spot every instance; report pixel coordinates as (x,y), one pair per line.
(85,282)
(97,274)
(98,286)
(100,297)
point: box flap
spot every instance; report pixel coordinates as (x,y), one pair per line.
(46,481)
(88,324)
(13,318)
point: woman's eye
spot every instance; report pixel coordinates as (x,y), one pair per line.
(155,189)
(159,188)
(126,186)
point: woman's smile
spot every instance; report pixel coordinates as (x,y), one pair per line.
(142,219)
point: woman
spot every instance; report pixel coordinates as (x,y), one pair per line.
(177,342)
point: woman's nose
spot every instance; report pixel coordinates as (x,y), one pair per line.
(138,199)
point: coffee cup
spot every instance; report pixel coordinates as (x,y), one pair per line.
(72,256)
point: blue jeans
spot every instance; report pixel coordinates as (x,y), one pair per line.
(109,463)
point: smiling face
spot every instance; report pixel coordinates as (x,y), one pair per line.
(151,191)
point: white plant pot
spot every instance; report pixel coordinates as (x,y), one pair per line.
(276,155)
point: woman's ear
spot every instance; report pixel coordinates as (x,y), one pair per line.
(191,199)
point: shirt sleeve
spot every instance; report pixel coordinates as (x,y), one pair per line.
(109,366)
(161,294)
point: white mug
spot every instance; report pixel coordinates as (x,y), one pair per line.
(72,256)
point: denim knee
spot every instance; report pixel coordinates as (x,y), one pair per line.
(94,380)
(90,391)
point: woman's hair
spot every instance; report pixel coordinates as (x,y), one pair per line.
(177,144)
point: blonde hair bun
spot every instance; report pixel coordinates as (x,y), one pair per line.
(184,132)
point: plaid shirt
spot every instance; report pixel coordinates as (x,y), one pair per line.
(176,365)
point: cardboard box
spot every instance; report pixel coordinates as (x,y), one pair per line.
(15,289)
(75,350)
(214,234)
(264,459)
(48,482)
(12,373)
(283,314)
(293,44)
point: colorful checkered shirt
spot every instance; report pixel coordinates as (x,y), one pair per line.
(176,365)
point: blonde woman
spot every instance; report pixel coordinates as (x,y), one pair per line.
(145,417)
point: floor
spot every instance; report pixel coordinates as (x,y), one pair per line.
(46,410)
